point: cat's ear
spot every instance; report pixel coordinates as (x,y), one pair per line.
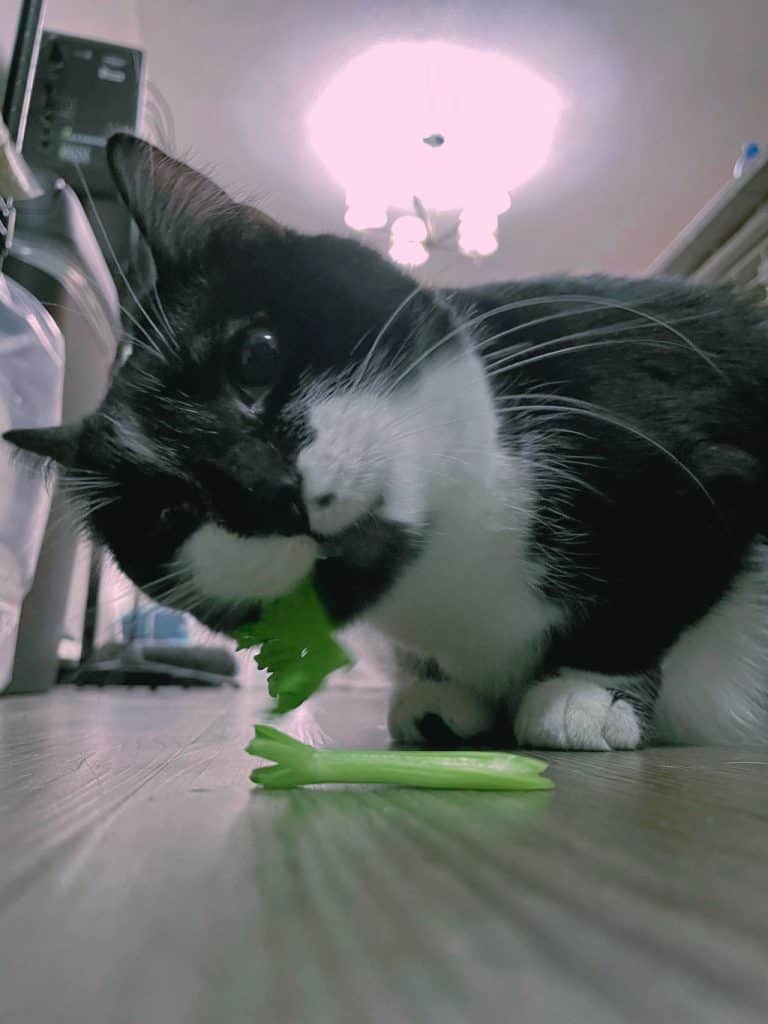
(174,206)
(57,443)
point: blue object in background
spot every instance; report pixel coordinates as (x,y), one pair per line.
(750,152)
(156,623)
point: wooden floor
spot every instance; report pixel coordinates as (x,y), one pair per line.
(142,880)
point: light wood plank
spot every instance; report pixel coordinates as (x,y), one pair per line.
(142,880)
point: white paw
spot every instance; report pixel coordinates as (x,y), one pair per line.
(573,712)
(465,713)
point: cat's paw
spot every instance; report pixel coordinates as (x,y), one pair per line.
(574,712)
(438,713)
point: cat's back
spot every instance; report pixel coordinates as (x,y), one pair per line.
(684,361)
(716,318)
(655,391)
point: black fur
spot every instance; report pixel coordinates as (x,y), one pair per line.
(647,549)
(665,445)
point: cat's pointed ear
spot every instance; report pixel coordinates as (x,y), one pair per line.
(57,443)
(175,207)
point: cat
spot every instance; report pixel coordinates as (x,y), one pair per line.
(549,494)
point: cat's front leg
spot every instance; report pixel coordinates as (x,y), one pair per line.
(428,708)
(577,710)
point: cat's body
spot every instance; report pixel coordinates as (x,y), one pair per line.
(630,495)
(551,495)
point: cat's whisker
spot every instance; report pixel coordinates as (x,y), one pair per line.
(97,506)
(565,405)
(153,345)
(474,321)
(647,323)
(110,248)
(544,464)
(182,595)
(359,377)
(79,311)
(508,355)
(147,343)
(139,343)
(158,303)
(88,486)
(498,352)
(402,353)
(550,466)
(176,573)
(359,341)
(588,302)
(150,343)
(173,590)
(508,350)
(513,364)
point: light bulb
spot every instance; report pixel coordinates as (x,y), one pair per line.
(477,243)
(376,124)
(478,220)
(411,254)
(409,229)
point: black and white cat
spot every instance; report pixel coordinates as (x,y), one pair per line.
(551,494)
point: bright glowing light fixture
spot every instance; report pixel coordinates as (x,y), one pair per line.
(409,229)
(459,128)
(412,254)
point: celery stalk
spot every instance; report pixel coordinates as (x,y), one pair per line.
(298,764)
(297,647)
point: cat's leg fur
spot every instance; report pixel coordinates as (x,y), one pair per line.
(578,710)
(715,677)
(427,707)
(712,680)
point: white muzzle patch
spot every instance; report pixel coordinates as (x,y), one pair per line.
(225,567)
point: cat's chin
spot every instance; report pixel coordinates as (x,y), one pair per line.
(227,618)
(226,569)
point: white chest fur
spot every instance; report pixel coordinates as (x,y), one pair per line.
(469,600)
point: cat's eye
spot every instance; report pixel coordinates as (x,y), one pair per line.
(255,359)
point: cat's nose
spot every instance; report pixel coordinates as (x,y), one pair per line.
(324,500)
(335,494)
(317,489)
(269,504)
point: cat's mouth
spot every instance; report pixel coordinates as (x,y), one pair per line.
(230,574)
(362,543)
(334,544)
(230,577)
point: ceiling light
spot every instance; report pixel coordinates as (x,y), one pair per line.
(409,229)
(457,127)
(411,254)
(365,212)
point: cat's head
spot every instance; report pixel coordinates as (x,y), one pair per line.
(272,412)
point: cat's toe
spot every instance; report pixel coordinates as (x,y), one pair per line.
(439,714)
(573,712)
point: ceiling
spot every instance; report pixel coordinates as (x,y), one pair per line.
(661,94)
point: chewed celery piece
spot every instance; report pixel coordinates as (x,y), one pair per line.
(297,650)
(299,764)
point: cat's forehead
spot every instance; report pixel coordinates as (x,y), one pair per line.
(293,280)
(321,313)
